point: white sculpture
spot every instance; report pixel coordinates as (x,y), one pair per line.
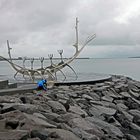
(49,71)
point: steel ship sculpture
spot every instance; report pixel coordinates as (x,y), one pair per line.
(48,72)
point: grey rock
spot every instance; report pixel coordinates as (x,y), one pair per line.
(87,126)
(81,100)
(121,118)
(121,87)
(9,99)
(95,96)
(62,134)
(11,124)
(125,94)
(62,96)
(65,127)
(111,120)
(101,88)
(112,105)
(135,128)
(110,129)
(77,110)
(64,87)
(51,116)
(135,113)
(93,111)
(96,102)
(24,99)
(133,87)
(111,92)
(87,97)
(54,117)
(42,134)
(56,107)
(33,139)
(39,115)
(134,94)
(136,101)
(73,94)
(116,123)
(130,137)
(98,110)
(127,116)
(109,83)
(137,84)
(62,101)
(14,135)
(38,121)
(84,135)
(63,112)
(132,103)
(27,108)
(2,124)
(100,84)
(121,106)
(7,108)
(68,116)
(108,104)
(119,101)
(107,98)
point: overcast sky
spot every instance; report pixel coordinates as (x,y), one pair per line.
(37,28)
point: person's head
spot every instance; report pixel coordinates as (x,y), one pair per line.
(44,81)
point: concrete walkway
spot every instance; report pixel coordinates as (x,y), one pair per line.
(26,87)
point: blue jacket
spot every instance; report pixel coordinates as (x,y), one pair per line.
(42,84)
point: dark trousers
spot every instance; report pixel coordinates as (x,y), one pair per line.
(39,88)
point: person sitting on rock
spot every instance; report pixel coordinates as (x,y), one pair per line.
(42,84)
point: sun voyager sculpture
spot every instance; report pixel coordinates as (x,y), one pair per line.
(48,72)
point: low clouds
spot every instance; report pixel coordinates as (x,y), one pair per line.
(43,27)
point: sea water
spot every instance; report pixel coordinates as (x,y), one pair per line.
(125,66)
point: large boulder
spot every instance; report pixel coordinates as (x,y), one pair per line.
(135,113)
(68,116)
(88,127)
(14,135)
(57,107)
(107,98)
(106,127)
(99,110)
(77,110)
(38,121)
(61,134)
(41,134)
(27,108)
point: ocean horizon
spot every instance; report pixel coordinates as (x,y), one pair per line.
(114,66)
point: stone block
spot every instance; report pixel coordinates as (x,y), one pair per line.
(3,84)
(12,85)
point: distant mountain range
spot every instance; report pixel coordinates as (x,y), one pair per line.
(134,57)
(20,58)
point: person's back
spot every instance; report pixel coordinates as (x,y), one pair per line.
(42,84)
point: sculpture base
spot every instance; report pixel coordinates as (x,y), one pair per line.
(88,78)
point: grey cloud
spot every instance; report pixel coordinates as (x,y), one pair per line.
(36,24)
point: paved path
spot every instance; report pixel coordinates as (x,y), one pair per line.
(82,79)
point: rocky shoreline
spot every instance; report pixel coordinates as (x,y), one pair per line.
(109,110)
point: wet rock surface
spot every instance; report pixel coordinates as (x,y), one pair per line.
(109,110)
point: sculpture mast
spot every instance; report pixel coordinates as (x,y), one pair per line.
(76,28)
(9,50)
